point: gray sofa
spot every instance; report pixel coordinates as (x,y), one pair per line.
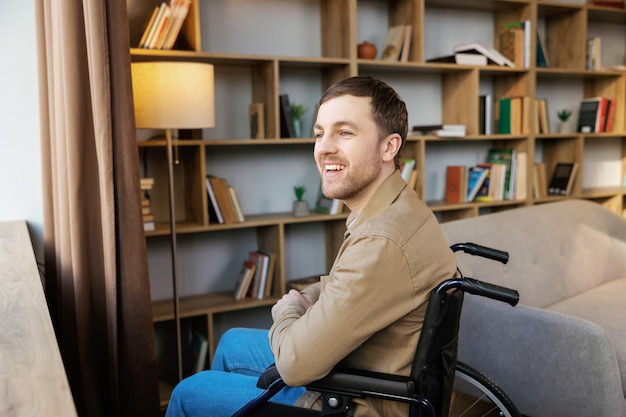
(562,351)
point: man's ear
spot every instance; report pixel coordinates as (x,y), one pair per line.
(391,146)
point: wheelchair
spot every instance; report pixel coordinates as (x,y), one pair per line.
(438,386)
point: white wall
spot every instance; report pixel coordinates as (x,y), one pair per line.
(20,151)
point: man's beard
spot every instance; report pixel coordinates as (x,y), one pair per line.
(353,183)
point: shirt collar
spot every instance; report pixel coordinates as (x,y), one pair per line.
(386,194)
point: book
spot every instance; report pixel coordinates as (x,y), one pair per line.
(525,27)
(154,27)
(220,187)
(485,112)
(179,14)
(262,275)
(511,45)
(393,43)
(483,194)
(267,275)
(513,115)
(510,117)
(456,184)
(234,199)
(521,176)
(426,129)
(406,43)
(540,185)
(475,178)
(497,181)
(145,185)
(256,118)
(543,121)
(262,267)
(162,22)
(493,56)
(563,178)
(610,115)
(198,350)
(148,26)
(168,20)
(213,203)
(506,157)
(593,54)
(242,285)
(447,133)
(287,126)
(461,58)
(541,58)
(591,115)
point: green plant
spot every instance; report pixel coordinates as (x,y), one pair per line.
(563,115)
(299,190)
(297,110)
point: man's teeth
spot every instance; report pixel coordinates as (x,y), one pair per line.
(334,167)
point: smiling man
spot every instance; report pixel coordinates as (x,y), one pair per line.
(368,311)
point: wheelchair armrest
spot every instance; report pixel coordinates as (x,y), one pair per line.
(357,381)
(268,377)
(349,381)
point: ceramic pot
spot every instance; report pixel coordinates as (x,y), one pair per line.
(300,208)
(366,50)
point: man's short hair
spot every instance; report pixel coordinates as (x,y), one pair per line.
(388,109)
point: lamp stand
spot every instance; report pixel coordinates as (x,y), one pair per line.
(170,175)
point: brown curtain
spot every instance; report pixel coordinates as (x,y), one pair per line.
(95,254)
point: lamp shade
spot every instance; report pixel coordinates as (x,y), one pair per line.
(173,95)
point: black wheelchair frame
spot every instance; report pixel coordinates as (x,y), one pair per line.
(428,389)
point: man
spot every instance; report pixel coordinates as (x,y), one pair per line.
(368,312)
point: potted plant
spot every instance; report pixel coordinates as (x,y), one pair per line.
(563,115)
(297,111)
(300,206)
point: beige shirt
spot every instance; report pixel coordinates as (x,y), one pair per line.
(369,310)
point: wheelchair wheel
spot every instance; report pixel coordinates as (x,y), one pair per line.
(476,395)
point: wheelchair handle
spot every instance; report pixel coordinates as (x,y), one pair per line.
(483,289)
(484,251)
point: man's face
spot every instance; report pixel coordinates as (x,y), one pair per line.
(348,151)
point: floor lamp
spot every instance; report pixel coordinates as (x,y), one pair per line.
(173,95)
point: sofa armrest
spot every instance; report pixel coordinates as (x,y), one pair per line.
(550,364)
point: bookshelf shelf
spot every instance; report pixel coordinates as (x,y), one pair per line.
(262,68)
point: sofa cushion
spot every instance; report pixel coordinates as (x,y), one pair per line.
(558,250)
(604,306)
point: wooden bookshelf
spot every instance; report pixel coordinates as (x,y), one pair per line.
(453,88)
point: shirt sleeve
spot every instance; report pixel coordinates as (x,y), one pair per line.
(312,291)
(363,295)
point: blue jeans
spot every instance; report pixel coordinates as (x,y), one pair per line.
(240,358)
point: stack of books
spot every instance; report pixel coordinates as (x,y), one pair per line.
(146,209)
(224,207)
(442,130)
(256,276)
(596,115)
(502,177)
(514,115)
(397,43)
(164,25)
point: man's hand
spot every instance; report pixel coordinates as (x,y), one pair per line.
(293,296)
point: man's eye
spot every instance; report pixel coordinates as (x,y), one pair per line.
(318,135)
(345,133)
